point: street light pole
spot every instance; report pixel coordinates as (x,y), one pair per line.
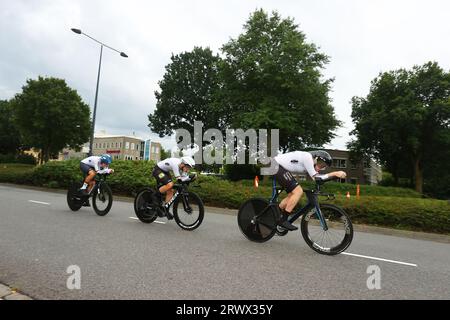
(91,141)
(78,31)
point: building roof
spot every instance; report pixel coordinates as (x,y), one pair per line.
(117,136)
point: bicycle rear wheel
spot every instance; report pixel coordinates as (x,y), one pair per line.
(333,241)
(257,220)
(144,206)
(74,200)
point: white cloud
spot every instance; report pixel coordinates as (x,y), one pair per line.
(362,38)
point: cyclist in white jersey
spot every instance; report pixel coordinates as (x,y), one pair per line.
(92,166)
(300,162)
(180,169)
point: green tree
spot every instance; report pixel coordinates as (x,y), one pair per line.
(272,80)
(51,116)
(165,153)
(404,121)
(187,94)
(9,135)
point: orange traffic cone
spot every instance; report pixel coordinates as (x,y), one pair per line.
(348,194)
(256,182)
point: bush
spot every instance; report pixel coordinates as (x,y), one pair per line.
(383,206)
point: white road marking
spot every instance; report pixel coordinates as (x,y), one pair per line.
(39,202)
(379,259)
(160,222)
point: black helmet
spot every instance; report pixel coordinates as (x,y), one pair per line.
(322,155)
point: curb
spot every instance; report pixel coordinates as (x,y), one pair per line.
(6,293)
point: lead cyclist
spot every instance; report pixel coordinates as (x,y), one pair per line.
(300,162)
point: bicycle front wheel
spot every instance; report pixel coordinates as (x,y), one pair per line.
(257,220)
(333,241)
(188,211)
(102,200)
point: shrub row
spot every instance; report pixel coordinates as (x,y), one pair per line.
(391,207)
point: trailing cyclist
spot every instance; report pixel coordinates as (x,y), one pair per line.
(180,169)
(92,166)
(299,162)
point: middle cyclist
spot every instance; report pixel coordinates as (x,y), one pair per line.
(180,169)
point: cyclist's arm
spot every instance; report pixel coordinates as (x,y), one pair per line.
(105,170)
(309,166)
(97,166)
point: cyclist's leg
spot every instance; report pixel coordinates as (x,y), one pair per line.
(288,204)
(89,175)
(288,182)
(164,182)
(167,189)
(90,179)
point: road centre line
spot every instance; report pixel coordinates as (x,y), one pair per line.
(160,222)
(39,202)
(379,259)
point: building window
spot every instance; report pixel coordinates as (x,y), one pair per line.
(353,180)
(132,146)
(366,164)
(340,163)
(120,145)
(353,165)
(107,145)
(127,145)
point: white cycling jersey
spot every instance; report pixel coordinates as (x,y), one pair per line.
(173,164)
(94,162)
(297,162)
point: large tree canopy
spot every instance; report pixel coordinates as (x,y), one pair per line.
(404,121)
(269,78)
(187,94)
(272,80)
(51,116)
(9,134)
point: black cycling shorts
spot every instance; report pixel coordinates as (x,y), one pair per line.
(286,179)
(162,177)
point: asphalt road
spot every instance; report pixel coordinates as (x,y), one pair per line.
(122,258)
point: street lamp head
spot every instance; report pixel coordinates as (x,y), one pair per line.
(78,31)
(123,55)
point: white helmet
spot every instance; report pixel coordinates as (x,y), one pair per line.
(189,161)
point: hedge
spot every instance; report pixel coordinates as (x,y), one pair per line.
(382,206)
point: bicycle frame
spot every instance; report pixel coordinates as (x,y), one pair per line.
(312,202)
(180,189)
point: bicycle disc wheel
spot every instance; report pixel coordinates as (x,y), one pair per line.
(255,226)
(74,200)
(333,241)
(143,206)
(191,217)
